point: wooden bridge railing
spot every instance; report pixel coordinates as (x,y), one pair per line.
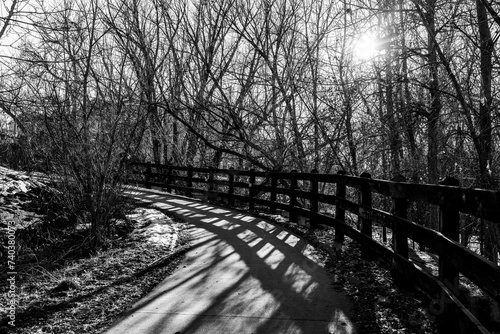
(282,190)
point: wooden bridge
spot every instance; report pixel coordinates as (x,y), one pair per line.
(355,207)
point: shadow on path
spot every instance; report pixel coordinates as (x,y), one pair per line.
(243,275)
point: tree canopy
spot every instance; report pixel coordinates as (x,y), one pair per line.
(386,86)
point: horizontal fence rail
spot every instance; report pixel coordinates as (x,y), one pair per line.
(302,195)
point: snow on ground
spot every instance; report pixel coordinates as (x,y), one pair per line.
(13,182)
(154,226)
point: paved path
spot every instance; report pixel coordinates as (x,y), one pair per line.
(243,275)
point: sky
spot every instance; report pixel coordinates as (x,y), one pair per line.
(16,29)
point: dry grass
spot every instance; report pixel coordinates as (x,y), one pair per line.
(87,295)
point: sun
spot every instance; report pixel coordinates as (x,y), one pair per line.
(369,45)
(366,47)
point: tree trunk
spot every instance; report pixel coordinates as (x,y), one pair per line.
(155,133)
(484,145)
(433,130)
(347,101)
(484,139)
(406,100)
(393,129)
(435,97)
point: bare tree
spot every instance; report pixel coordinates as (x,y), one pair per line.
(86,110)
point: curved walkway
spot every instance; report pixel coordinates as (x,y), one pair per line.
(243,275)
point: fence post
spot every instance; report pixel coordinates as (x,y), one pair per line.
(313,189)
(400,241)
(274,185)
(449,226)
(251,190)
(230,191)
(148,177)
(400,209)
(169,179)
(293,198)
(340,212)
(366,224)
(189,183)
(210,182)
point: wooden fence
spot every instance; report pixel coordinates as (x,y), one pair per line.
(303,194)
